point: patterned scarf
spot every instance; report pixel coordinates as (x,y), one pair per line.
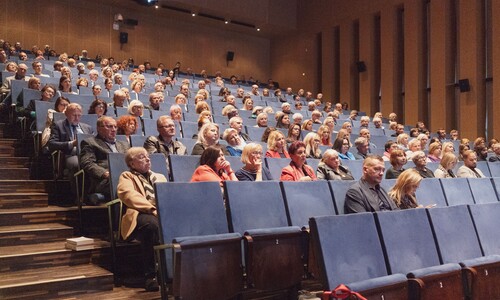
(147,184)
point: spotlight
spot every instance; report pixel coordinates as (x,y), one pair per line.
(226,22)
(258,29)
(193,14)
(156,6)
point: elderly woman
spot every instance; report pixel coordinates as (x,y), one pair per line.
(140,221)
(434,152)
(446,165)
(127,125)
(204,117)
(276,145)
(231,136)
(176,112)
(312,142)
(342,146)
(136,108)
(403,192)
(253,169)
(213,167)
(330,168)
(413,146)
(261,120)
(423,138)
(398,160)
(420,161)
(402,141)
(207,136)
(98,107)
(298,170)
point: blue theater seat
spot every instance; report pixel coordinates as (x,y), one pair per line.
(431,192)
(482,190)
(457,191)
(339,189)
(182,167)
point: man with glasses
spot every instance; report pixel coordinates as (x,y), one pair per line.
(165,142)
(94,157)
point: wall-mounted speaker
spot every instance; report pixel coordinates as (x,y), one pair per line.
(361,66)
(464,85)
(229,56)
(123,37)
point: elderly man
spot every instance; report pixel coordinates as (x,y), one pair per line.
(365,132)
(400,129)
(94,156)
(237,123)
(255,90)
(184,90)
(364,121)
(420,161)
(377,123)
(119,98)
(362,145)
(297,118)
(367,195)
(469,170)
(240,93)
(140,221)
(286,108)
(37,68)
(165,142)
(496,150)
(154,102)
(20,75)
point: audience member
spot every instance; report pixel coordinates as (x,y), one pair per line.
(398,160)
(234,142)
(253,169)
(469,169)
(342,145)
(213,167)
(208,136)
(276,145)
(329,168)
(312,142)
(362,146)
(237,123)
(403,191)
(298,170)
(434,152)
(127,126)
(420,161)
(165,142)
(496,151)
(446,166)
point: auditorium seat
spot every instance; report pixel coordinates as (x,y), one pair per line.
(496,185)
(137,140)
(182,167)
(30,94)
(194,225)
(487,222)
(482,190)
(355,166)
(457,191)
(348,251)
(483,166)
(275,165)
(255,133)
(339,189)
(189,129)
(257,210)
(410,249)
(430,192)
(494,168)
(150,127)
(457,242)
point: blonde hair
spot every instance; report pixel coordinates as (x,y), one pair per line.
(309,141)
(203,130)
(405,180)
(271,140)
(447,159)
(321,129)
(247,150)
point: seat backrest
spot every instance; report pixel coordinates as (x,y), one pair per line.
(254,205)
(456,191)
(235,162)
(407,238)
(347,248)
(137,140)
(483,166)
(496,185)
(487,222)
(355,166)
(17,88)
(30,94)
(117,166)
(41,108)
(387,184)
(149,127)
(455,234)
(339,189)
(189,129)
(494,168)
(182,167)
(482,190)
(431,192)
(275,165)
(255,133)
(306,199)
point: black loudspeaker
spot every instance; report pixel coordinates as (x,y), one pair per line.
(131,22)
(464,85)
(361,66)
(229,56)
(123,37)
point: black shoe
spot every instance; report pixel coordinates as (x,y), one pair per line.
(151,285)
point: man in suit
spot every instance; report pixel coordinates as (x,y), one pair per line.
(94,156)
(469,170)
(135,189)
(367,195)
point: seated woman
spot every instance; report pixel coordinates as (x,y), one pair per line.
(325,134)
(420,161)
(213,167)
(261,120)
(403,191)
(253,169)
(446,165)
(434,152)
(298,170)
(59,106)
(413,147)
(65,85)
(48,92)
(136,108)
(98,107)
(307,125)
(402,141)
(342,146)
(208,136)
(231,136)
(283,121)
(140,221)
(330,168)
(34,83)
(202,106)
(247,103)
(312,141)
(293,133)
(276,145)
(398,160)
(127,125)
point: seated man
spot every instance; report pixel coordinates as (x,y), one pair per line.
(6,87)
(119,98)
(362,145)
(367,195)
(94,156)
(469,170)
(165,142)
(496,150)
(154,102)
(135,189)
(63,138)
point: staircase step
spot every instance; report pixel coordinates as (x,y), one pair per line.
(14,162)
(25,186)
(14,173)
(55,282)
(20,200)
(43,255)
(25,216)
(120,293)
(33,234)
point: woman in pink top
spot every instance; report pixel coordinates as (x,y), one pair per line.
(297,170)
(276,145)
(213,167)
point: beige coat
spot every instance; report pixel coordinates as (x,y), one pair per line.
(131,192)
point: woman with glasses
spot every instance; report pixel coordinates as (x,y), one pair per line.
(342,146)
(98,107)
(253,169)
(420,161)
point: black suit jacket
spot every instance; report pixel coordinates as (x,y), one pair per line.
(359,198)
(61,136)
(94,155)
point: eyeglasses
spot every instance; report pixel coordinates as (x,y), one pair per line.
(109,126)
(257,153)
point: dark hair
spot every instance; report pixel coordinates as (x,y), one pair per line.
(266,133)
(295,146)
(279,122)
(210,156)
(61,81)
(388,145)
(337,144)
(95,103)
(290,130)
(58,101)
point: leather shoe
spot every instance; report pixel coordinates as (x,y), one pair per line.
(151,285)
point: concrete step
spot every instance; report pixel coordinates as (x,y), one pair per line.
(55,282)
(34,234)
